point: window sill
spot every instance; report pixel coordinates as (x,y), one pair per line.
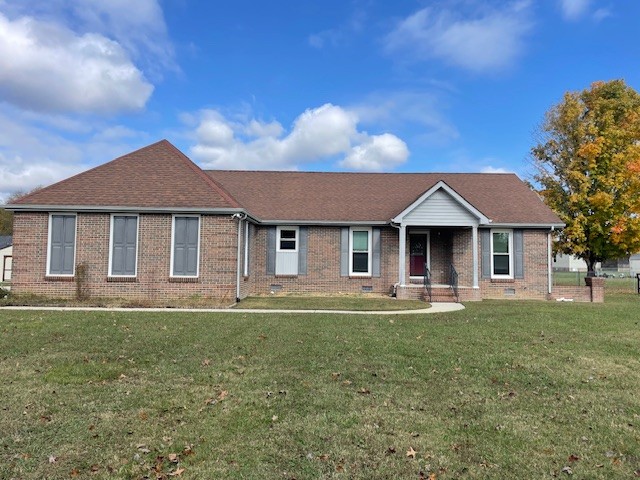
(503,280)
(122,279)
(356,277)
(284,275)
(59,278)
(184,279)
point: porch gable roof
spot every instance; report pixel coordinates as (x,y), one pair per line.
(402,217)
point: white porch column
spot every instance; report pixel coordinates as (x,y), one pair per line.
(401,254)
(474,238)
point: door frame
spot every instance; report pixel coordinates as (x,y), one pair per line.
(427,233)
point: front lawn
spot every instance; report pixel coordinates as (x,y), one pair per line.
(338,302)
(499,390)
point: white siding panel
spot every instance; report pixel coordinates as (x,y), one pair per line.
(286,263)
(440,209)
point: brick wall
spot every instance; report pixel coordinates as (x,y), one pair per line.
(217,259)
(323,270)
(534,285)
(218,262)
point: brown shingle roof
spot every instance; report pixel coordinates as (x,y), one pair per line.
(343,197)
(156,176)
(161,176)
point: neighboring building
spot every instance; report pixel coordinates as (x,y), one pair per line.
(153,225)
(563,262)
(6,253)
(634,264)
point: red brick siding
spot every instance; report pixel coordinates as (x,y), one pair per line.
(534,285)
(217,258)
(323,260)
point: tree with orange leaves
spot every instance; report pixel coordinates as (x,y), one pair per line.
(588,165)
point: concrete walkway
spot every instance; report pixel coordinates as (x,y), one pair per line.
(435,308)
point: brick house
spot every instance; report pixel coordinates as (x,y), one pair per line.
(153,225)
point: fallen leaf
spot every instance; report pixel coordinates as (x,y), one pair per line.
(177,472)
(74,473)
(95,468)
(339,468)
(274,418)
(346,383)
(567,470)
(324,457)
(391,450)
(143,448)
(364,391)
(53,459)
(173,457)
(573,458)
(206,362)
(142,415)
(411,453)
(335,375)
(188,450)
(432,476)
(222,395)
(262,336)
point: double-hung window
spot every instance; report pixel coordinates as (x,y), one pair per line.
(360,251)
(62,245)
(185,246)
(502,253)
(124,246)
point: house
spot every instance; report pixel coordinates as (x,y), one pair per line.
(153,225)
(563,262)
(6,251)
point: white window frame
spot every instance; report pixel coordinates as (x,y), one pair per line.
(510,232)
(75,245)
(137,216)
(278,238)
(173,238)
(369,271)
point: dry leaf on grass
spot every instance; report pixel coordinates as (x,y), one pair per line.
(411,453)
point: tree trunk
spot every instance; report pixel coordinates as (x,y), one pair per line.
(591,266)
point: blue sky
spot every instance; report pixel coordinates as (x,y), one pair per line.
(363,85)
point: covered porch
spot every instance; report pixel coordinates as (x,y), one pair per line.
(438,255)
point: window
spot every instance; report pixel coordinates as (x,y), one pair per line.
(360,252)
(502,253)
(62,245)
(287,243)
(185,242)
(124,246)
(287,239)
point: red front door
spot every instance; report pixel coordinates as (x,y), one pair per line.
(417,254)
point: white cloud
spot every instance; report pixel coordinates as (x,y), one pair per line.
(491,169)
(377,153)
(138,26)
(479,41)
(48,68)
(423,109)
(324,133)
(574,9)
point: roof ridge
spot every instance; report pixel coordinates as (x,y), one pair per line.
(213,171)
(209,180)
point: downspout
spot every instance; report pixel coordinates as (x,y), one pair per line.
(549,277)
(240,217)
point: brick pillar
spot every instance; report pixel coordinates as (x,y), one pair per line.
(596,284)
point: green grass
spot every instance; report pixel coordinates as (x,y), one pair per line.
(499,390)
(361,303)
